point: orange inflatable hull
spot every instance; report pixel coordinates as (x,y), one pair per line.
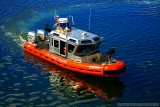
(107,70)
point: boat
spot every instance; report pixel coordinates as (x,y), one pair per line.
(72,49)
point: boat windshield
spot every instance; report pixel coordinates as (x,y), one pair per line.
(87,48)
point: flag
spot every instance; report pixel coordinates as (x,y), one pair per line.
(56,18)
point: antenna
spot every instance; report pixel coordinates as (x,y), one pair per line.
(55,13)
(89,20)
(72,21)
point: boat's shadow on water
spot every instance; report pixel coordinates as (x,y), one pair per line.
(79,84)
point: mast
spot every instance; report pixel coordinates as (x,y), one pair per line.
(89,20)
(72,21)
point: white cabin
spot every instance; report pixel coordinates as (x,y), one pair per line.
(74,43)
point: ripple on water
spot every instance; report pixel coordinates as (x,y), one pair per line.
(133,28)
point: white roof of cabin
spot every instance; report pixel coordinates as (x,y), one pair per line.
(77,35)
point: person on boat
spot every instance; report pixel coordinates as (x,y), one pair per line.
(64,50)
(109,54)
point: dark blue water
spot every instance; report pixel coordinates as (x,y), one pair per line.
(132,27)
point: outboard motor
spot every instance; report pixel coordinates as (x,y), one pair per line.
(31,37)
(41,34)
(41,40)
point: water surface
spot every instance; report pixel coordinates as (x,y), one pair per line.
(132,27)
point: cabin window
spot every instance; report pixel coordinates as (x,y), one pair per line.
(62,47)
(72,40)
(96,39)
(55,34)
(85,48)
(97,45)
(56,43)
(70,48)
(86,41)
